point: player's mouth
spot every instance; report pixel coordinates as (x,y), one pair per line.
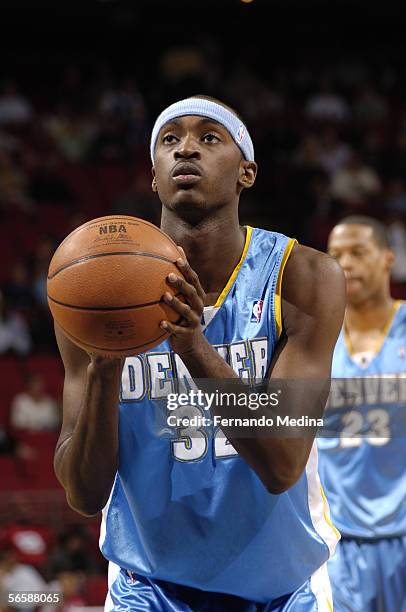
(352,281)
(186,173)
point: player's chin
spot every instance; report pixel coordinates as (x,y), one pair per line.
(354,289)
(188,198)
(191,209)
(354,298)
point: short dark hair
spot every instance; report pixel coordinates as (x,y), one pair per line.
(378,228)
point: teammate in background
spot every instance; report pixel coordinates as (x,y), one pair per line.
(200,522)
(364,471)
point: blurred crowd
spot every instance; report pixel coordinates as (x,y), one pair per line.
(34,557)
(329,142)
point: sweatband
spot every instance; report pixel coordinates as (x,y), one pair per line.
(206,108)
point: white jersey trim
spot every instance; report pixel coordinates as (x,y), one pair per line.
(321,588)
(318,506)
(113,572)
(105,510)
(209,312)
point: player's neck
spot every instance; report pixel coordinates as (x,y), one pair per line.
(370,315)
(213,247)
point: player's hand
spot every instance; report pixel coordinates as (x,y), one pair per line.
(187,333)
(80,353)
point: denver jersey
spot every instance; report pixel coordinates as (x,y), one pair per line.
(189,510)
(363,471)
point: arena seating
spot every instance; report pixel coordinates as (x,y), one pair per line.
(96,590)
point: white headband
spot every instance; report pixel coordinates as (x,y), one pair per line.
(211,110)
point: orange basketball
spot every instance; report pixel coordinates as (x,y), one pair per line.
(105,285)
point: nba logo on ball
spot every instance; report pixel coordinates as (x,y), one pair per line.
(256,311)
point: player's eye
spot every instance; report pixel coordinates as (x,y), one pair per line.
(210,138)
(169,139)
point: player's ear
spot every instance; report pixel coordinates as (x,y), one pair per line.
(248,173)
(154,185)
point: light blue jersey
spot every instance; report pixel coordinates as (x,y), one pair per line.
(364,470)
(189,510)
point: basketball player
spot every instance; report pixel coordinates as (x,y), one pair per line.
(201,522)
(364,470)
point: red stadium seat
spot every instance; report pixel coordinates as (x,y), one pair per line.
(10,477)
(31,542)
(4,413)
(11,382)
(51,369)
(37,470)
(95,589)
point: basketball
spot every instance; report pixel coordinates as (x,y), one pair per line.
(105,285)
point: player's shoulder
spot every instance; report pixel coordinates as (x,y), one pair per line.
(302,259)
(313,288)
(313,299)
(313,266)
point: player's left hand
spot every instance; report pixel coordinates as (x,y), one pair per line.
(187,333)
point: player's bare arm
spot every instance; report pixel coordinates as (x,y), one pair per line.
(313,295)
(86,456)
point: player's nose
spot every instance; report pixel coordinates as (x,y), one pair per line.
(345,261)
(187,148)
